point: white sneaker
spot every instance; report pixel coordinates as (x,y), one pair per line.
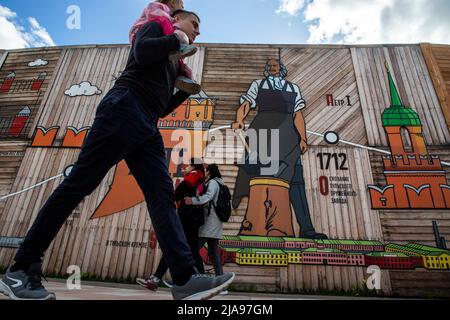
(185,51)
(188,85)
(21,285)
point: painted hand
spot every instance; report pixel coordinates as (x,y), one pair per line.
(304,146)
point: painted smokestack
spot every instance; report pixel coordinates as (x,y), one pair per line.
(37,84)
(19,122)
(7,82)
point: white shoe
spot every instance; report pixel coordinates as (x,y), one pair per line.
(188,85)
(185,51)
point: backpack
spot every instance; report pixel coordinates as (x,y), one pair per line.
(223,207)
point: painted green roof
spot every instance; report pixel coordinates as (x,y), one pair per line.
(402,248)
(351,242)
(232,249)
(426,248)
(400,116)
(387,254)
(261,251)
(232,238)
(261,239)
(418,249)
(292,250)
(323,250)
(297,239)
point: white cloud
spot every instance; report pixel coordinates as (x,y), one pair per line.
(14,34)
(373,21)
(38,62)
(39,35)
(83,89)
(291,7)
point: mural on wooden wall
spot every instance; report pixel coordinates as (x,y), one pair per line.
(13,126)
(23,79)
(316,223)
(271,192)
(267,237)
(415,179)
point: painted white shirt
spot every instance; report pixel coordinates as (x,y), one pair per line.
(252,93)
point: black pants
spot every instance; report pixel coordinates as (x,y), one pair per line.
(191,233)
(122,129)
(213,253)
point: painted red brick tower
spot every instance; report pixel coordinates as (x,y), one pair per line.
(415,179)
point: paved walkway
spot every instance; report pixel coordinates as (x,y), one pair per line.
(115,291)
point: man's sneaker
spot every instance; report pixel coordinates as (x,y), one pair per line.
(151,283)
(202,287)
(21,285)
(188,85)
(185,51)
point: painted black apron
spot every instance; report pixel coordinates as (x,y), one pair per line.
(275,111)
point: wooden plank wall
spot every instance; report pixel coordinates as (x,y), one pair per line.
(319,72)
(99,66)
(11,155)
(196,63)
(416,90)
(403,226)
(437,58)
(339,221)
(3,55)
(21,94)
(420,283)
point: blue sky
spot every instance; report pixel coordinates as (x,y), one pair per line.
(27,23)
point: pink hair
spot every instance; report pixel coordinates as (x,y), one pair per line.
(157,12)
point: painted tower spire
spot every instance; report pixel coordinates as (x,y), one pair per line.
(396,101)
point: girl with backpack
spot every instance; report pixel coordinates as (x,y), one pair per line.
(212,230)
